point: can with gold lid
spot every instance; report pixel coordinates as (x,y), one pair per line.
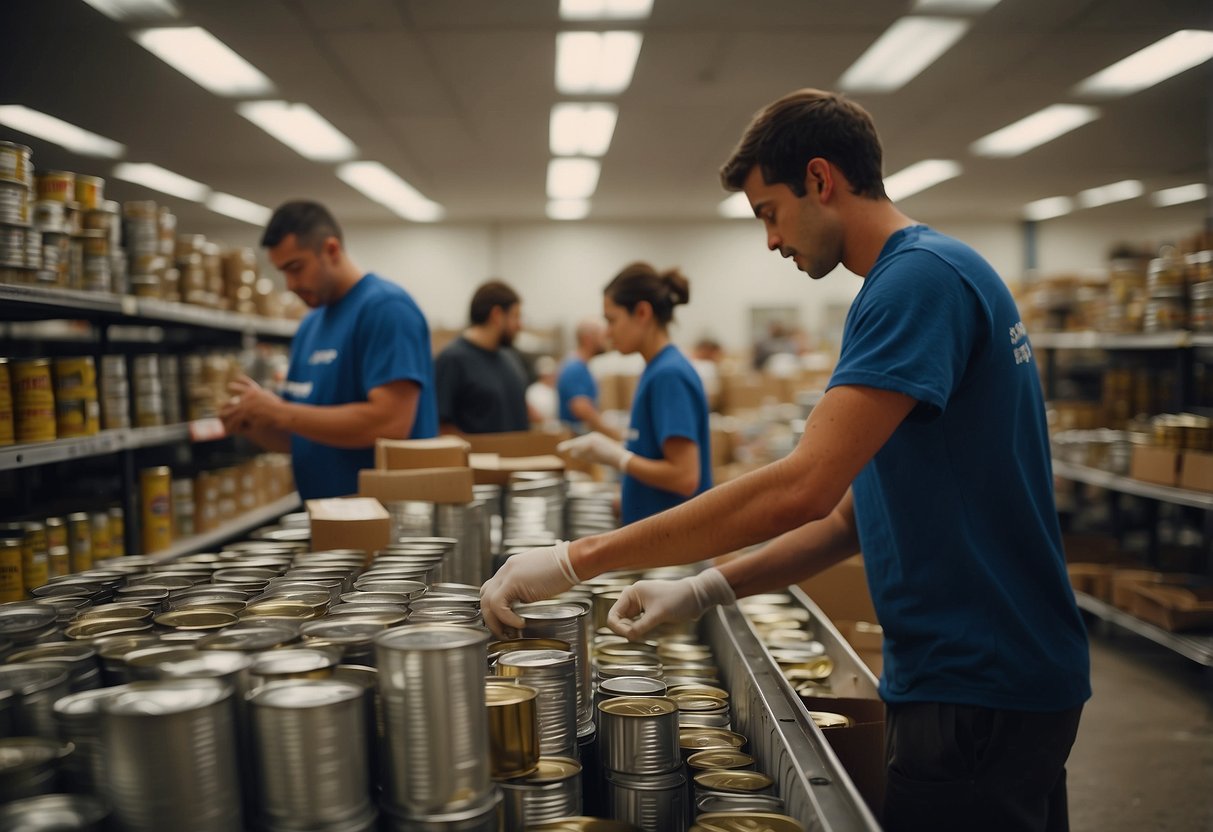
(696,738)
(12,556)
(155,499)
(746,822)
(33,400)
(89,191)
(715,759)
(552,790)
(513,729)
(735,781)
(825,719)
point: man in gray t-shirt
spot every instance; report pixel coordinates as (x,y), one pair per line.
(480,379)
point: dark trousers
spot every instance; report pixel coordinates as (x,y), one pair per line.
(956,767)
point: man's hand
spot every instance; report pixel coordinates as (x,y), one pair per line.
(648,604)
(534,575)
(596,447)
(251,407)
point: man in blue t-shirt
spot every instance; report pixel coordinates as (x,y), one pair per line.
(575,385)
(360,362)
(928,452)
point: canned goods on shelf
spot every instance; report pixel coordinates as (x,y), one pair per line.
(12,555)
(33,400)
(155,500)
(57,185)
(103,544)
(15,204)
(15,165)
(89,191)
(7,436)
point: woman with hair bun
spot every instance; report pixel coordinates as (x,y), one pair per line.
(666,459)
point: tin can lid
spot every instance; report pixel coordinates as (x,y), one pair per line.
(707,737)
(85,701)
(280,608)
(305,693)
(747,822)
(702,690)
(17,753)
(17,620)
(196,618)
(497,648)
(719,758)
(825,719)
(638,706)
(733,781)
(430,636)
(582,824)
(293,660)
(248,638)
(54,811)
(552,770)
(203,664)
(507,693)
(58,651)
(633,686)
(32,677)
(170,696)
(698,703)
(549,611)
(536,658)
(345,629)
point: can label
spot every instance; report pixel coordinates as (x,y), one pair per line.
(99,527)
(117,523)
(12,556)
(33,564)
(155,485)
(71,418)
(58,561)
(80,544)
(57,185)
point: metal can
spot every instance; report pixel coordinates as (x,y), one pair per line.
(293,663)
(714,759)
(117,524)
(99,524)
(79,542)
(12,555)
(513,729)
(742,821)
(36,686)
(568,622)
(696,738)
(732,782)
(15,163)
(35,566)
(89,190)
(155,500)
(33,400)
(655,803)
(58,561)
(639,735)
(552,790)
(553,674)
(30,766)
(56,185)
(7,435)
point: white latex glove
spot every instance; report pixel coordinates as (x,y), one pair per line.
(533,575)
(648,604)
(596,447)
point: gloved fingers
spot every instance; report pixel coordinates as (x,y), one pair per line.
(627,617)
(499,616)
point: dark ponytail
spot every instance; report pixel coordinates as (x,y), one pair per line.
(641,282)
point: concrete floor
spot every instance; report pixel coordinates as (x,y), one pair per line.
(1144,755)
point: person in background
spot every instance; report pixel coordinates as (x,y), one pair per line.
(481,381)
(928,452)
(541,396)
(706,356)
(576,385)
(360,366)
(667,458)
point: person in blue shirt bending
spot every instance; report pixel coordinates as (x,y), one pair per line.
(928,452)
(360,365)
(575,385)
(666,459)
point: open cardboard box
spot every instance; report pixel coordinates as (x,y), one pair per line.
(439,452)
(1174,608)
(860,746)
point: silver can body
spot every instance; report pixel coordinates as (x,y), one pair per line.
(653,803)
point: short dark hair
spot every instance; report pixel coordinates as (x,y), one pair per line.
(786,134)
(662,290)
(310,222)
(489,296)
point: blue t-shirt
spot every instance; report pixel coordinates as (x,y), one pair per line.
(955,512)
(669,402)
(575,380)
(374,335)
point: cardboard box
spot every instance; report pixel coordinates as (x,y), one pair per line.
(349,523)
(497,469)
(608,394)
(859,747)
(430,485)
(1196,471)
(404,454)
(516,443)
(741,392)
(842,592)
(1174,608)
(1160,466)
(1095,579)
(1126,581)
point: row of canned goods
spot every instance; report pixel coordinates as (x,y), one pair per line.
(42,400)
(34,551)
(271,687)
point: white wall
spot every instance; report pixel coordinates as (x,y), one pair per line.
(560,269)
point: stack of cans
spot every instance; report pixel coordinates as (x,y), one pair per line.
(115,393)
(591,509)
(534,505)
(77,411)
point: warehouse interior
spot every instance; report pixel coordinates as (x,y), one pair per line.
(434,146)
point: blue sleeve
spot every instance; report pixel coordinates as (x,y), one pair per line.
(677,408)
(395,343)
(575,380)
(911,331)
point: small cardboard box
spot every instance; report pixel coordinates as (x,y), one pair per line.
(860,746)
(1157,465)
(842,591)
(1174,608)
(516,443)
(1126,581)
(496,469)
(1095,579)
(405,454)
(349,523)
(1196,471)
(430,485)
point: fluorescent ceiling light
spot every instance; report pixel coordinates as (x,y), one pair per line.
(121,10)
(582,129)
(57,131)
(1035,130)
(1172,55)
(906,48)
(596,62)
(1047,209)
(239,209)
(572,178)
(961,6)
(385,187)
(919,176)
(736,207)
(300,128)
(204,59)
(1107,194)
(159,179)
(605,9)
(568,209)
(1180,195)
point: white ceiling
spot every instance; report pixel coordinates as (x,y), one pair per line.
(454,95)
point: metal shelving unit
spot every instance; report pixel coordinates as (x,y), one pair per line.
(1197,648)
(1128,485)
(233,528)
(105,442)
(1117,341)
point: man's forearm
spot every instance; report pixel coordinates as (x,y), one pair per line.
(271,439)
(354,425)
